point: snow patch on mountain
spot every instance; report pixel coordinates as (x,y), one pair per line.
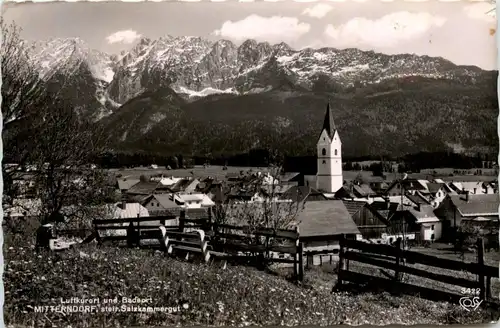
(205,92)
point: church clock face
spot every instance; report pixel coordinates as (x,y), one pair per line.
(323,151)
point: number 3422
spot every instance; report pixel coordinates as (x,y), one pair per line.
(471,291)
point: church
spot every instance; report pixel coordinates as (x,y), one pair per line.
(329,178)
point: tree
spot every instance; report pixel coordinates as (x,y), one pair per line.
(23,93)
(62,153)
(256,201)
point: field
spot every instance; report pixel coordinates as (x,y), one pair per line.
(217,171)
(208,295)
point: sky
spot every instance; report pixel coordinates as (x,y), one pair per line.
(462,31)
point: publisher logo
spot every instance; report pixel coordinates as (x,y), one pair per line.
(470,303)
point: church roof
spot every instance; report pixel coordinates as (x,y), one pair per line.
(328,123)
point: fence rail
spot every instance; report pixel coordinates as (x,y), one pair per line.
(231,242)
(396,259)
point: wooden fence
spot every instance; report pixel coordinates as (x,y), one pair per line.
(239,244)
(401,261)
(259,245)
(134,230)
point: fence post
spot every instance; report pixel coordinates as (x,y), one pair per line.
(97,235)
(341,260)
(301,261)
(138,231)
(397,274)
(480,262)
(181,220)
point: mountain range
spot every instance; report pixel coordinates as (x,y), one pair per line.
(199,97)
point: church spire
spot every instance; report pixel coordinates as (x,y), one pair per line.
(328,123)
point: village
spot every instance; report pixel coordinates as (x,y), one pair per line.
(328,205)
(219,214)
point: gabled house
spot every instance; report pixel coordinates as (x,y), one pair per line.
(161,205)
(407,185)
(472,187)
(129,210)
(363,191)
(301,194)
(378,184)
(417,199)
(456,208)
(192,200)
(139,191)
(186,185)
(386,208)
(430,224)
(402,224)
(369,221)
(124,184)
(345,192)
(169,181)
(471,209)
(322,223)
(294,177)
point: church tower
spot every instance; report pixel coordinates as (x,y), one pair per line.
(329,176)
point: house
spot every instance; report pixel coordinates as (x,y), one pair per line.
(192,200)
(408,185)
(142,189)
(129,210)
(369,221)
(402,224)
(473,187)
(378,184)
(430,224)
(125,210)
(457,208)
(296,177)
(322,224)
(168,181)
(124,184)
(386,208)
(417,198)
(363,191)
(161,204)
(186,185)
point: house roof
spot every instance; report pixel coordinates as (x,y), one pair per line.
(326,218)
(182,184)
(328,123)
(190,197)
(424,214)
(126,184)
(353,206)
(417,199)
(143,188)
(344,192)
(472,185)
(163,199)
(410,184)
(276,189)
(434,187)
(363,190)
(287,176)
(132,210)
(297,193)
(476,205)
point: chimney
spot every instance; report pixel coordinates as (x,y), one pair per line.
(124,204)
(418,207)
(467,196)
